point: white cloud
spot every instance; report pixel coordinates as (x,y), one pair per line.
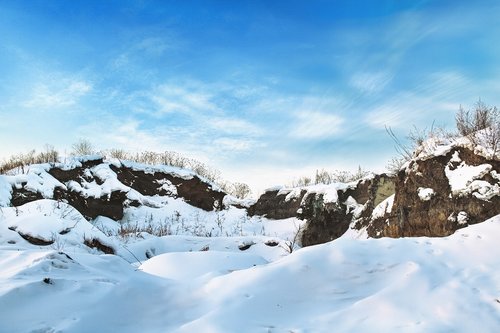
(127,134)
(370,82)
(234,144)
(387,116)
(170,98)
(233,126)
(316,125)
(436,98)
(57,93)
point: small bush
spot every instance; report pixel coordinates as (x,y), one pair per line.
(82,147)
(325,177)
(481,125)
(240,190)
(19,162)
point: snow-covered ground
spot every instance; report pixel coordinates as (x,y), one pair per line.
(246,283)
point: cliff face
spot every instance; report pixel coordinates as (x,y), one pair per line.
(438,195)
(98,188)
(434,195)
(329,210)
(276,204)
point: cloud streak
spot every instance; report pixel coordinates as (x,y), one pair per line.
(57,93)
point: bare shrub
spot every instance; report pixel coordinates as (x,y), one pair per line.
(241,190)
(82,147)
(302,181)
(20,162)
(413,144)
(117,153)
(290,244)
(342,176)
(325,177)
(481,125)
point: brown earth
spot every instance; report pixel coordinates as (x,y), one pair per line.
(274,206)
(194,191)
(436,217)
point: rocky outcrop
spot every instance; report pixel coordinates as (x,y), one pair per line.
(193,190)
(98,188)
(276,205)
(325,221)
(111,205)
(434,195)
(326,218)
(438,195)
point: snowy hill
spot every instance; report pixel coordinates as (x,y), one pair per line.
(447,284)
(129,201)
(106,246)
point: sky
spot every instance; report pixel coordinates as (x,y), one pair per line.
(264,91)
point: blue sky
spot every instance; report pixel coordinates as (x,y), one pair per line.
(265,91)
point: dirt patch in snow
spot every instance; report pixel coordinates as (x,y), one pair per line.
(35,240)
(97,244)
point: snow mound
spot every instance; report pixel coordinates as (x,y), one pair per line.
(377,285)
(50,223)
(189,265)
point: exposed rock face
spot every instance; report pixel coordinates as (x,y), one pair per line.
(274,205)
(433,196)
(436,196)
(85,187)
(194,191)
(330,220)
(90,207)
(20,196)
(326,220)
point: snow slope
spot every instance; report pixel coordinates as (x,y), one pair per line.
(447,284)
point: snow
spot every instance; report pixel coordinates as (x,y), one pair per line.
(5,191)
(462,218)
(92,189)
(462,178)
(230,200)
(328,191)
(425,194)
(49,221)
(189,265)
(223,271)
(421,284)
(36,179)
(383,208)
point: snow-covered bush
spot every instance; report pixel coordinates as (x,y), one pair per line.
(481,125)
(240,190)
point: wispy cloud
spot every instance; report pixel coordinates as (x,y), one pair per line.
(242,144)
(57,93)
(134,53)
(370,83)
(233,126)
(316,125)
(177,98)
(437,97)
